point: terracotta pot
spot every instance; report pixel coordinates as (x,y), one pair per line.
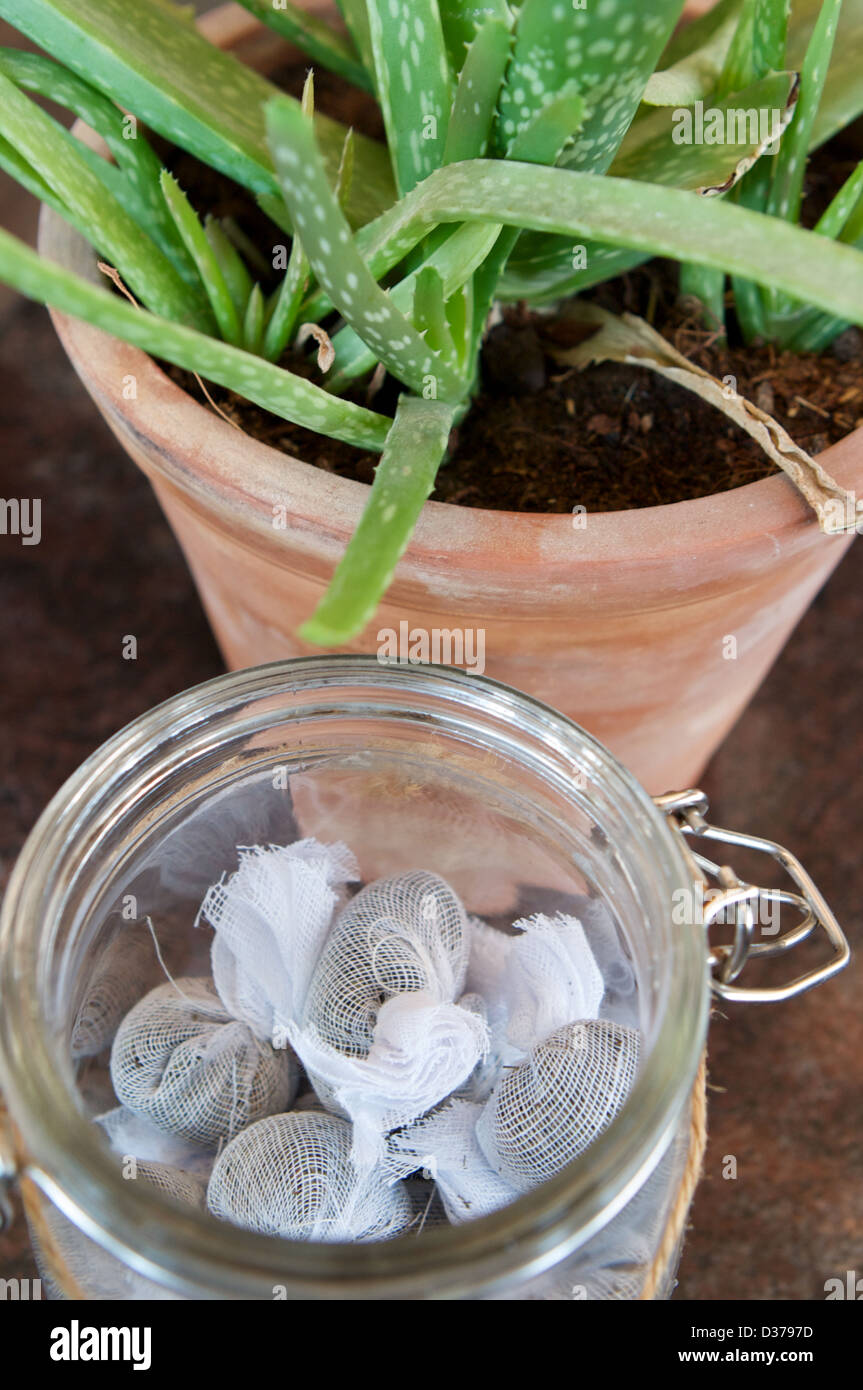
(622,624)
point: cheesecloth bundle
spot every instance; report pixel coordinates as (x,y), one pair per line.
(546,1111)
(293,1176)
(182,1062)
(367,1000)
(542,1114)
(126,968)
(453,1065)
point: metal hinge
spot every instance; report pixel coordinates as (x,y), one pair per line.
(739,903)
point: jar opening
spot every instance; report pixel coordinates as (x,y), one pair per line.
(519,809)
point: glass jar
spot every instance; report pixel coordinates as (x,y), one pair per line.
(413,767)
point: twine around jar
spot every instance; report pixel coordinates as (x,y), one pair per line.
(674,1228)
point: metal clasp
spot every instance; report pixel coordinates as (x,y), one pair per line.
(686,812)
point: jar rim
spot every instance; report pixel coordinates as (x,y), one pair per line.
(60,1150)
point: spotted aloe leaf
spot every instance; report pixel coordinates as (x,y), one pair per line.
(758,45)
(404,479)
(134,179)
(543,268)
(286,301)
(153,63)
(413,84)
(460,254)
(475,101)
(786,189)
(641,217)
(57,160)
(313,36)
(462,20)
(608,48)
(338,264)
(271,387)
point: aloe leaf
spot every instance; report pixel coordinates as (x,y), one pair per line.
(543,268)
(345,176)
(689,74)
(787,191)
(758,46)
(708,287)
(231,264)
(287,300)
(545,137)
(18,169)
(842,99)
(356,18)
(404,479)
(253,321)
(789,166)
(643,217)
(199,248)
(313,36)
(135,179)
(413,84)
(456,260)
(461,21)
(475,102)
(852,232)
(149,60)
(55,157)
(270,387)
(429,314)
(284,313)
(609,49)
(848,201)
(338,264)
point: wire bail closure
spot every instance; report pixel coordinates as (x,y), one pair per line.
(686,812)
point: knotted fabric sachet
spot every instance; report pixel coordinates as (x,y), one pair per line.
(425,1046)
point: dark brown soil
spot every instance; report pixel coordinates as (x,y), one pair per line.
(612,437)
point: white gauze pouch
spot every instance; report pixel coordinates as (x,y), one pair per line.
(533,981)
(271,920)
(381,1037)
(180,1061)
(546,1111)
(293,1176)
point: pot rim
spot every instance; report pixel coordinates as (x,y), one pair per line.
(59,1149)
(234,471)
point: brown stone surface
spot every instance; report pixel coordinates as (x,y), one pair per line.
(789,1099)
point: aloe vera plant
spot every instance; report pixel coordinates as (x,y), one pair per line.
(530,152)
(759,43)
